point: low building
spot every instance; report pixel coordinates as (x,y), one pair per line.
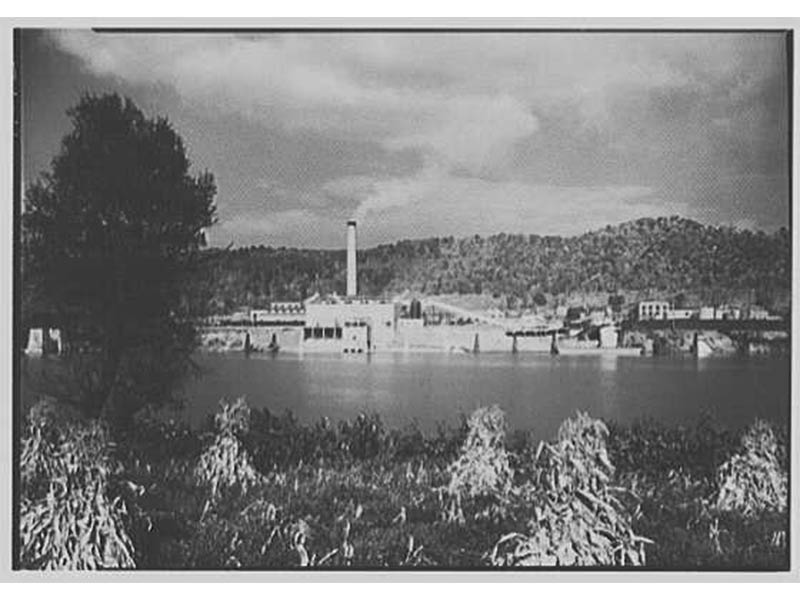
(681,314)
(758,313)
(653,310)
(728,313)
(43,341)
(35,346)
(707,313)
(279,314)
(332,321)
(609,336)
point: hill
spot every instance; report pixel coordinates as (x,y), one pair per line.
(663,257)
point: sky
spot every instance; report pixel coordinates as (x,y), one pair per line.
(431,134)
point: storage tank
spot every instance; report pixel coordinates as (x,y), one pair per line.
(415,311)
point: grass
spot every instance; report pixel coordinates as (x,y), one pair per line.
(261,491)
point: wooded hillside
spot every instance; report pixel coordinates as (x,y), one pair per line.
(666,256)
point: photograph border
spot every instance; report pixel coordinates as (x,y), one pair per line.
(433,26)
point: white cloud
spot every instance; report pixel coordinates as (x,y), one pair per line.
(461,102)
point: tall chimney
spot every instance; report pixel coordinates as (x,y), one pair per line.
(352,277)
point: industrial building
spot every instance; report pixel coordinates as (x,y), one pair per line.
(653,310)
(357,324)
(350,324)
(353,324)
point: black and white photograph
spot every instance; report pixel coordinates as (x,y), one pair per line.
(402,299)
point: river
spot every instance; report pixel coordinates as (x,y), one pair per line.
(537,391)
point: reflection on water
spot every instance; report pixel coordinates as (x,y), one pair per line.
(537,391)
(608,362)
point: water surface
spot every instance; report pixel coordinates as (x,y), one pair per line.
(537,391)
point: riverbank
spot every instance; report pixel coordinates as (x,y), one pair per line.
(634,341)
(263,491)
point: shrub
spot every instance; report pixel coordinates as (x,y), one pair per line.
(659,450)
(576,521)
(754,481)
(364,438)
(482,471)
(225,465)
(67,520)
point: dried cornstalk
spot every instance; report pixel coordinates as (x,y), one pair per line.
(754,481)
(67,520)
(225,465)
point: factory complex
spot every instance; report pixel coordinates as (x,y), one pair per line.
(356,324)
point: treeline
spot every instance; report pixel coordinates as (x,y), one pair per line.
(667,256)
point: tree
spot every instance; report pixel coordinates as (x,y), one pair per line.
(111,235)
(616,302)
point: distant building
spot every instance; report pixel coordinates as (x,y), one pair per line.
(609,336)
(35,346)
(279,314)
(681,313)
(349,322)
(728,313)
(758,313)
(43,341)
(653,310)
(707,313)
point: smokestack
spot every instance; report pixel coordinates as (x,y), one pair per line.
(352,277)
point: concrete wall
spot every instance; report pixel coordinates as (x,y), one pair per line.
(411,335)
(230,339)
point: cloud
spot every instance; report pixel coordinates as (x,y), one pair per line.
(292,82)
(440,205)
(465,100)
(396,193)
(294,227)
(538,133)
(462,206)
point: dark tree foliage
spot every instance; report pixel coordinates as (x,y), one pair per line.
(111,235)
(669,256)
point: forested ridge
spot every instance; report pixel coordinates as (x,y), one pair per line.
(667,256)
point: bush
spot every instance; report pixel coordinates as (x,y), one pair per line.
(225,465)
(576,521)
(754,481)
(67,519)
(659,450)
